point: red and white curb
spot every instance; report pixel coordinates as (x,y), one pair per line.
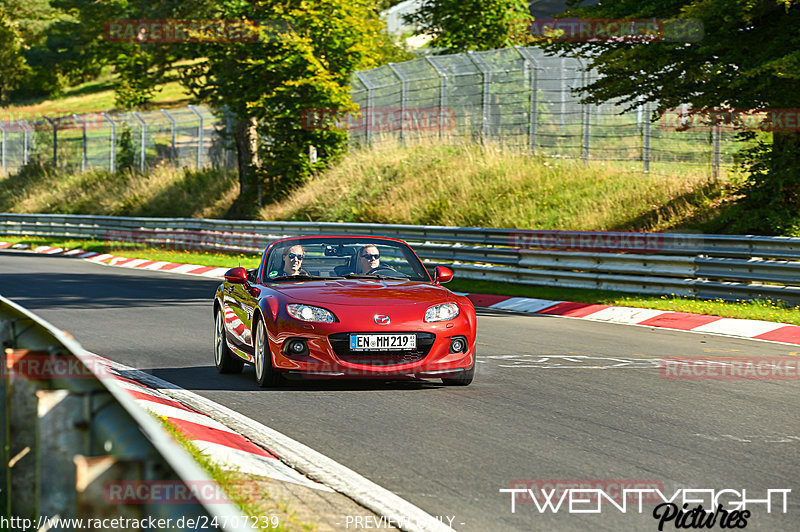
(221,444)
(681,321)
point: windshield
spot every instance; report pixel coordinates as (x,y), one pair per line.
(325,258)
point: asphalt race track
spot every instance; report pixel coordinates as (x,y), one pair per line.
(555,400)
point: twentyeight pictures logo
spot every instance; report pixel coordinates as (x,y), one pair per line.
(682,508)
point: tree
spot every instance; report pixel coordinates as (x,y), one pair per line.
(748,58)
(462,25)
(13,69)
(301,64)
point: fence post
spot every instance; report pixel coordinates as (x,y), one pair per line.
(586,115)
(143,157)
(55,140)
(442,93)
(82,122)
(173,151)
(112,159)
(486,77)
(403,101)
(25,140)
(533,117)
(645,110)
(370,102)
(199,136)
(3,147)
(716,133)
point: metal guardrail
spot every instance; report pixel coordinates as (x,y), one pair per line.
(706,266)
(68,436)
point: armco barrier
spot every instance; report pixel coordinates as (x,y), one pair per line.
(67,435)
(706,266)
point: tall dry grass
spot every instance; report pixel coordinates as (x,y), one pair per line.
(474,185)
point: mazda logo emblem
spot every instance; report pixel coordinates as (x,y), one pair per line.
(382,320)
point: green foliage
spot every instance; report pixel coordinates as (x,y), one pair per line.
(748,58)
(462,25)
(302,62)
(13,68)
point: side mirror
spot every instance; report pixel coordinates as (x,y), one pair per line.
(236,275)
(442,275)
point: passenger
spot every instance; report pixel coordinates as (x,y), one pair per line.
(369,258)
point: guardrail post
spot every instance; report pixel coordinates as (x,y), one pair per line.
(485,93)
(370,105)
(403,101)
(143,155)
(173,152)
(112,158)
(82,122)
(199,135)
(55,140)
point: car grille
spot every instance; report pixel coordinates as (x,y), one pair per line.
(341,347)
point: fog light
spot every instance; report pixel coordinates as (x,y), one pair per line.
(296,347)
(458,344)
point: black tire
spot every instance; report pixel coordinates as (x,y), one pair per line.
(225,360)
(462,378)
(265,373)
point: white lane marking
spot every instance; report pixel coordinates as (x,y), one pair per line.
(160,409)
(627,315)
(738,327)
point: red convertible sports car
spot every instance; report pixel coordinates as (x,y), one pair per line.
(343,306)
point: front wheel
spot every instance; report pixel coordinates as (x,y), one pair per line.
(462,378)
(265,373)
(224,359)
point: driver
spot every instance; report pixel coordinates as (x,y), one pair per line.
(292,261)
(369,258)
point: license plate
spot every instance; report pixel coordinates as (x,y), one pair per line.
(382,342)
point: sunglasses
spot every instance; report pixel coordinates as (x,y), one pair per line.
(294,256)
(371,257)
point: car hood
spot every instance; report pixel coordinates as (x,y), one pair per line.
(366,292)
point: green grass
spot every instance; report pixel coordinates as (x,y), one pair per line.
(752,310)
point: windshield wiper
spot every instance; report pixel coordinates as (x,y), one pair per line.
(300,277)
(372,276)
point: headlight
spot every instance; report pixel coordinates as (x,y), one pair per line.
(446,311)
(309,313)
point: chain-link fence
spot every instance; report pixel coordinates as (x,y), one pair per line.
(515,96)
(190,136)
(520,97)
